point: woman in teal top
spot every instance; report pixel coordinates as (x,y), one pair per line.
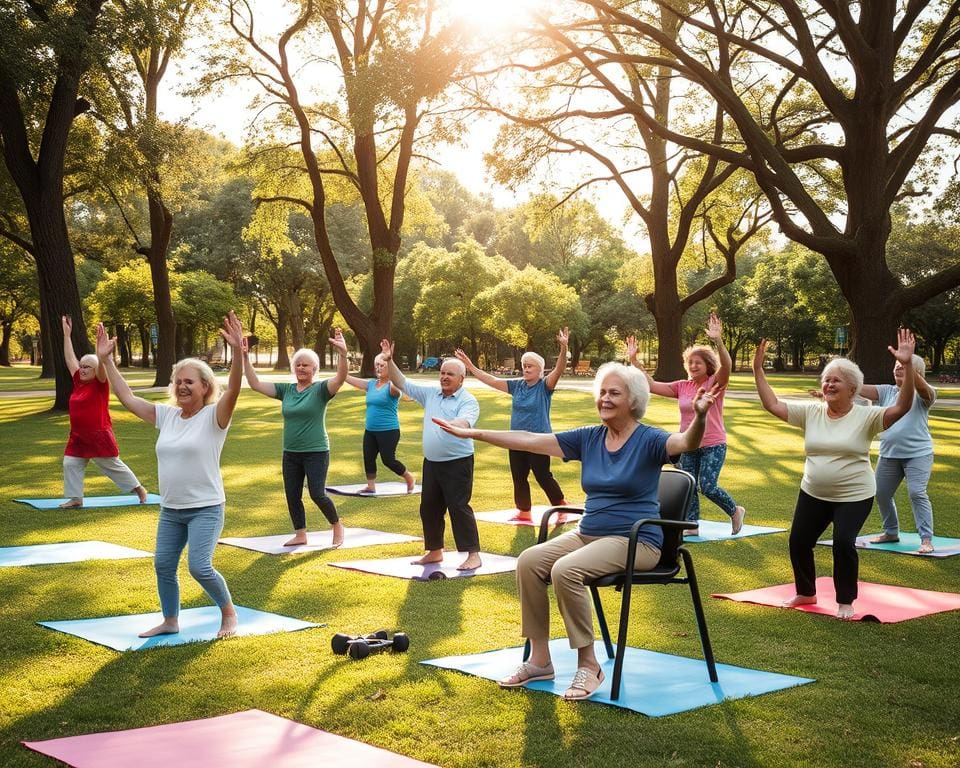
(306,448)
(382,432)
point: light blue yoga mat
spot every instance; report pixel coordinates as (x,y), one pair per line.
(196,624)
(93,502)
(654,684)
(67,552)
(711,530)
(909,543)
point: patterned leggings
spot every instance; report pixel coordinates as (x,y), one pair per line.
(705,465)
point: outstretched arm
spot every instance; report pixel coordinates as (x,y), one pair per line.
(715,332)
(339,344)
(657,387)
(232,333)
(515,440)
(906,343)
(69,356)
(487,378)
(689,439)
(358,383)
(396,377)
(141,408)
(923,389)
(263,387)
(552,378)
(768,397)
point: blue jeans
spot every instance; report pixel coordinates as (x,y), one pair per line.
(198,528)
(311,465)
(917,473)
(705,465)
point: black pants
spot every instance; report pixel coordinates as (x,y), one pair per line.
(521,462)
(312,465)
(448,485)
(810,519)
(385,443)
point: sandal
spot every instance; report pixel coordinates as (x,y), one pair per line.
(527,673)
(585,684)
(926,547)
(885,538)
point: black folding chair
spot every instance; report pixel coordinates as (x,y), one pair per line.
(675,493)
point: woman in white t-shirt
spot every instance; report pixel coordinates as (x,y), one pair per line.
(838,484)
(192,433)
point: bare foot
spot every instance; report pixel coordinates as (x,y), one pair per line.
(298,540)
(736,522)
(692,532)
(926,546)
(433,556)
(72,504)
(471,563)
(338,533)
(169,627)
(844,612)
(522,516)
(796,600)
(228,624)
(411,481)
(141,493)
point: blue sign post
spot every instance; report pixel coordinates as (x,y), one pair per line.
(841,338)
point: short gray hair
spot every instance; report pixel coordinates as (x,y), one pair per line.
(457,363)
(206,376)
(534,358)
(848,369)
(919,365)
(308,353)
(638,389)
(91,359)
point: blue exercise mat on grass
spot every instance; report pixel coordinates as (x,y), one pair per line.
(67,552)
(654,684)
(711,530)
(909,544)
(94,502)
(196,624)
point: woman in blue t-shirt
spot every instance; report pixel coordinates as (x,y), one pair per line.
(382,426)
(530,411)
(620,474)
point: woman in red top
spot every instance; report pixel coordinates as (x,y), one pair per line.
(91,432)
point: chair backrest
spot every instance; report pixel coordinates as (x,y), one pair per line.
(675,493)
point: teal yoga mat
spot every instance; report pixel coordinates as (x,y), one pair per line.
(654,684)
(196,624)
(909,543)
(94,502)
(67,552)
(711,530)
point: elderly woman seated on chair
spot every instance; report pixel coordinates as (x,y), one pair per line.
(620,472)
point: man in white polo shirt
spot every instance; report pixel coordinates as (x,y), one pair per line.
(447,474)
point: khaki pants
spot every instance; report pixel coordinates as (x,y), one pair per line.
(567,561)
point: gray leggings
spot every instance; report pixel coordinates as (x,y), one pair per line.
(916,471)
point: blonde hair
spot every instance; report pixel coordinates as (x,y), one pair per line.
(638,388)
(206,376)
(707,354)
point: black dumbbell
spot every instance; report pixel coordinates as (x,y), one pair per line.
(341,643)
(361,647)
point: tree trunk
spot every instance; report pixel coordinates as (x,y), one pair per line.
(283,355)
(6,330)
(161,228)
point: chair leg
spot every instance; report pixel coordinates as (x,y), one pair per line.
(621,644)
(602,621)
(701,618)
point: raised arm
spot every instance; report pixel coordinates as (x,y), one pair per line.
(489,379)
(69,356)
(689,439)
(768,397)
(715,333)
(553,378)
(141,408)
(906,343)
(926,392)
(657,387)
(263,387)
(339,344)
(396,377)
(515,440)
(232,333)
(870,392)
(358,383)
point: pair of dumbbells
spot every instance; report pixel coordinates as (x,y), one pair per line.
(361,646)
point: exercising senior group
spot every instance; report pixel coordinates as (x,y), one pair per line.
(620,457)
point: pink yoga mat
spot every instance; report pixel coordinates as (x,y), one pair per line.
(251,739)
(876,602)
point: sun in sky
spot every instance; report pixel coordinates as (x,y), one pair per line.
(492,17)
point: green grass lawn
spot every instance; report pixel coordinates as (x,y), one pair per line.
(886,695)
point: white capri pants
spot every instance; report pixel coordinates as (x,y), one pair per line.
(111,466)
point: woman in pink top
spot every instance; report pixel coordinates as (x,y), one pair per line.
(705,368)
